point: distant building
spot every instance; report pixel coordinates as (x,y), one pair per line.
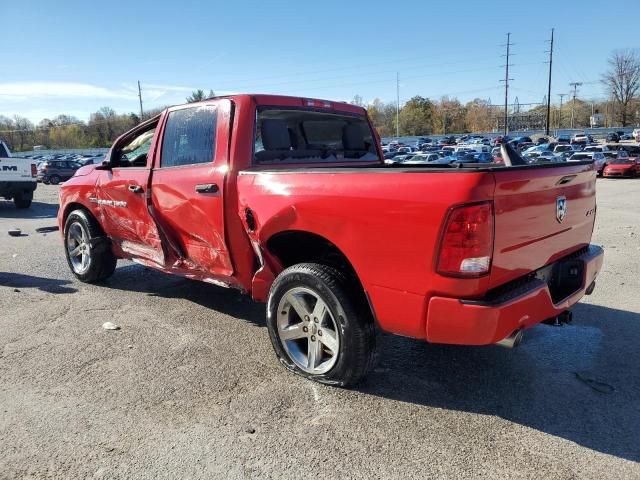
(596,120)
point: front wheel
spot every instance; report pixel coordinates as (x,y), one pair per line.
(54,179)
(88,252)
(319,325)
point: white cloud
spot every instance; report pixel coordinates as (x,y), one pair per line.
(44,99)
(30,90)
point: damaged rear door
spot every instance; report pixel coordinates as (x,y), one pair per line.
(187,185)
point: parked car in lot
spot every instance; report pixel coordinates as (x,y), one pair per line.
(566,150)
(519,140)
(613,137)
(447,140)
(277,200)
(622,167)
(56,171)
(500,139)
(598,159)
(596,148)
(582,139)
(564,139)
(17,178)
(541,156)
(421,158)
(636,134)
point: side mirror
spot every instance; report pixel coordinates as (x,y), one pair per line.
(105,165)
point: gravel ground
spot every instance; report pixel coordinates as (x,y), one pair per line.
(189,386)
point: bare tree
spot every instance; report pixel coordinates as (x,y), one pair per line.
(623,80)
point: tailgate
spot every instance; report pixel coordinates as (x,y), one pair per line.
(15,169)
(541,214)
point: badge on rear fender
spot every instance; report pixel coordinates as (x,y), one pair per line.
(561,208)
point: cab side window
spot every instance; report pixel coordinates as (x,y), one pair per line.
(189,137)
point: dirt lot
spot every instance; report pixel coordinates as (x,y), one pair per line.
(189,387)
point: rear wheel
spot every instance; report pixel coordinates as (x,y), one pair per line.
(23,199)
(54,179)
(319,326)
(88,252)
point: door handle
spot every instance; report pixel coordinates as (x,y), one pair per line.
(135,189)
(207,188)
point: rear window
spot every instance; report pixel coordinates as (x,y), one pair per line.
(309,136)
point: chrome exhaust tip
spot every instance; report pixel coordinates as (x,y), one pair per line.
(513,340)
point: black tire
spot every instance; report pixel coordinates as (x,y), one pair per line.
(347,305)
(23,199)
(54,179)
(102,261)
(45,180)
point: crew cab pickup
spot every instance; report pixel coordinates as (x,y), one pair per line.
(289,200)
(17,178)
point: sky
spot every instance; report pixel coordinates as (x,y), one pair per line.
(68,57)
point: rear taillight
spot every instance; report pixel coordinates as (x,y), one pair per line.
(34,170)
(466,244)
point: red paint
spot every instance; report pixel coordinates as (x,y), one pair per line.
(387,222)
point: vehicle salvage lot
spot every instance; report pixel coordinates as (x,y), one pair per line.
(190,387)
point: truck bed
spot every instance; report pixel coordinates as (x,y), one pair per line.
(389,219)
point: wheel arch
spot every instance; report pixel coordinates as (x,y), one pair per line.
(291,247)
(72,206)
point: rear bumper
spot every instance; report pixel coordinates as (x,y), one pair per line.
(9,189)
(618,173)
(483,322)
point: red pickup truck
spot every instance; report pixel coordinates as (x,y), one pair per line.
(289,200)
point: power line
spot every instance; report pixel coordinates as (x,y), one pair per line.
(575,86)
(140,97)
(506,86)
(546,130)
(561,95)
(397,104)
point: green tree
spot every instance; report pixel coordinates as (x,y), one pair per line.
(478,117)
(199,95)
(416,117)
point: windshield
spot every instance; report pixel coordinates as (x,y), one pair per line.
(622,161)
(309,136)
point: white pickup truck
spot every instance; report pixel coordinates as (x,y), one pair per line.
(17,178)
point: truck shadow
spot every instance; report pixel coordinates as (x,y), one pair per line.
(37,210)
(156,284)
(576,382)
(20,280)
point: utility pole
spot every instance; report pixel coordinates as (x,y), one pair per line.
(575,86)
(506,87)
(140,97)
(546,131)
(397,104)
(561,95)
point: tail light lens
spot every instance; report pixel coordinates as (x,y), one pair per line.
(466,245)
(34,170)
